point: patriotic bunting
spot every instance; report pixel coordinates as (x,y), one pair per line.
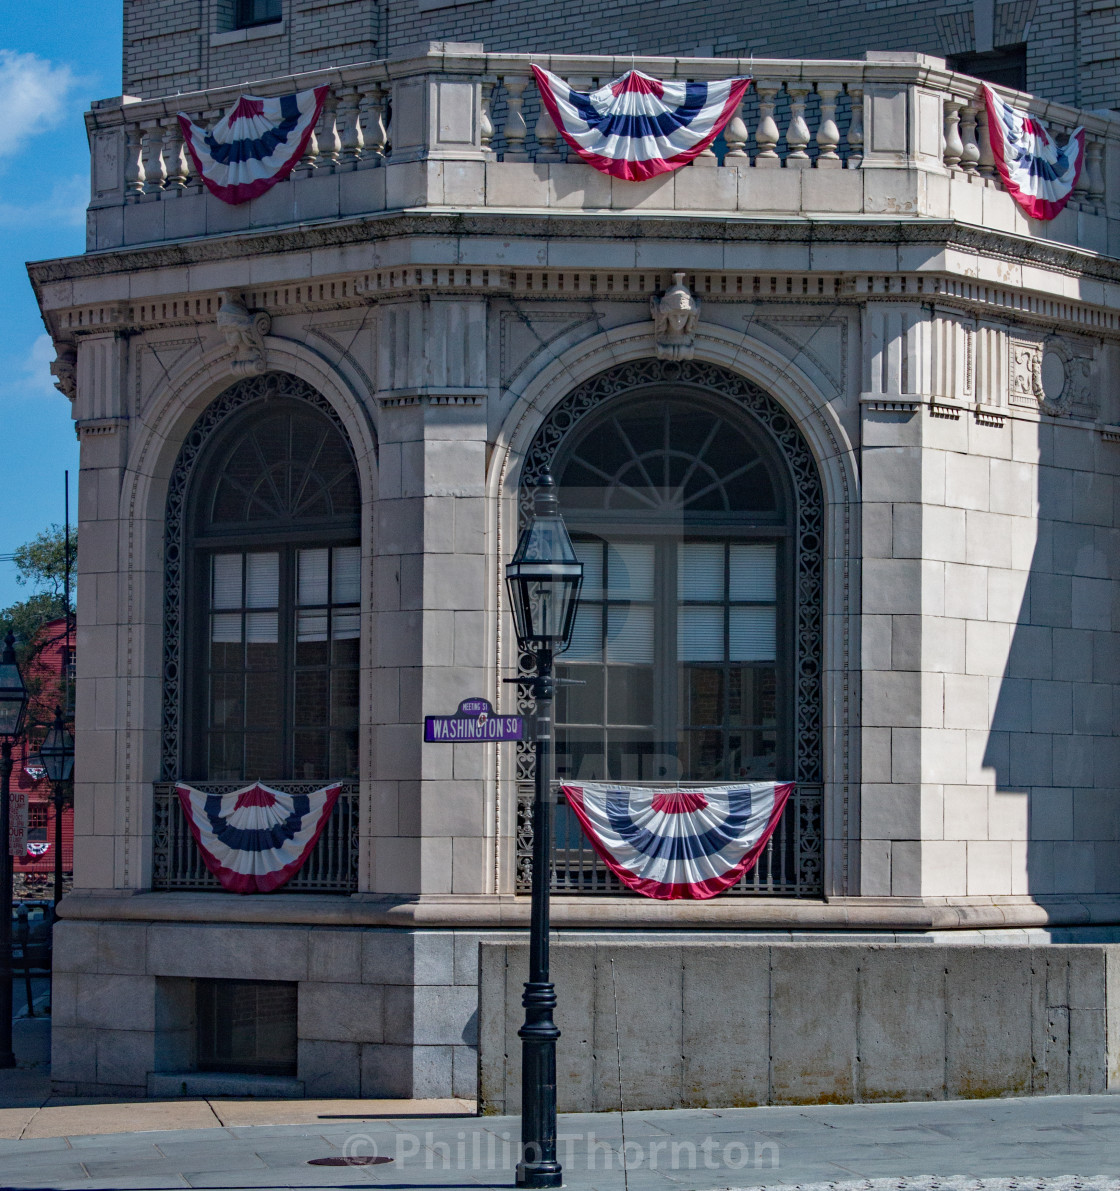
(671,844)
(1038,174)
(255,839)
(638,127)
(254,145)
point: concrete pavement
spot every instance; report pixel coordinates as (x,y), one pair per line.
(1033,1141)
(971,1145)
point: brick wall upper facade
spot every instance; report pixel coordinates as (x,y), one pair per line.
(1073,46)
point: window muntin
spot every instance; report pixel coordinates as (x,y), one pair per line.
(275,600)
(678,516)
(247,731)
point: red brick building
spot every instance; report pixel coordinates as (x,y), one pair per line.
(46,675)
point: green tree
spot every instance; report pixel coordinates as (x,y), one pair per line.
(40,565)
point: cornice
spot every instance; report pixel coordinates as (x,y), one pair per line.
(997,245)
(598,913)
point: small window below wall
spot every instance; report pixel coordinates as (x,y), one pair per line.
(250,13)
(247,1026)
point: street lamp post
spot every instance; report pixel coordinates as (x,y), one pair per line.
(544,581)
(56,756)
(13,707)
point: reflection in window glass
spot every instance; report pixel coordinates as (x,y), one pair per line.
(251,730)
(678,521)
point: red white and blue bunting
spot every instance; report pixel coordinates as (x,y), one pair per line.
(671,844)
(256,839)
(1038,174)
(638,127)
(254,145)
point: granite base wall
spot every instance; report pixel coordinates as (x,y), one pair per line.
(723,1025)
(382,1013)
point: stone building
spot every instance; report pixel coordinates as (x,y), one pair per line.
(876,555)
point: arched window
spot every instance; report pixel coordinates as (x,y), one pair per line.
(270,587)
(682,516)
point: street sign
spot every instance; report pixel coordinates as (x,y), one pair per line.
(475,721)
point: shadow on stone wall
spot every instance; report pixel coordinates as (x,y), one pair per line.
(1055,808)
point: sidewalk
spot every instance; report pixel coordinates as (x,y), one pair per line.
(51,1142)
(270,1144)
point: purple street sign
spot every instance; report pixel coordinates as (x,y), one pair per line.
(474,722)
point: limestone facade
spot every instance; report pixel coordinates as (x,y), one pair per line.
(941,369)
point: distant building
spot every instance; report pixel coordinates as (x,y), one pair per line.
(856,526)
(49,675)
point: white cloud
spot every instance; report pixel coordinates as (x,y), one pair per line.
(65,206)
(30,377)
(33,98)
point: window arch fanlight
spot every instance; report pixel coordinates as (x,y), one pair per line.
(262,597)
(696,507)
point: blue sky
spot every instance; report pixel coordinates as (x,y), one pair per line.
(54,59)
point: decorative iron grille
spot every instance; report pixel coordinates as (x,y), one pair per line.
(257,389)
(332,866)
(789,866)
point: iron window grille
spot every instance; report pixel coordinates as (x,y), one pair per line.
(791,865)
(331,867)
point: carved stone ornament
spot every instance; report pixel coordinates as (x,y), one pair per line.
(675,315)
(1025,379)
(1049,375)
(64,369)
(244,331)
(1066,379)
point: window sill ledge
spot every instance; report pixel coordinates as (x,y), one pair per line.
(236,36)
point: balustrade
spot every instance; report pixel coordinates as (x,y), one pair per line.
(789,119)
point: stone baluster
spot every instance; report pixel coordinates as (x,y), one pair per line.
(330,144)
(797,134)
(706,158)
(766,134)
(175,156)
(987,163)
(310,158)
(1094,164)
(1081,186)
(486,122)
(855,128)
(970,149)
(547,135)
(954,146)
(736,136)
(155,173)
(828,135)
(372,106)
(349,128)
(516,130)
(134,160)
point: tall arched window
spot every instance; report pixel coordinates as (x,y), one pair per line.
(271,598)
(682,516)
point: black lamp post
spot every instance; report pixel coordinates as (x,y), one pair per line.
(56,756)
(544,582)
(13,707)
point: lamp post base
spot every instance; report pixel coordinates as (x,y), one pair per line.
(545,1174)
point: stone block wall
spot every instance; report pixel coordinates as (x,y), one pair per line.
(381,1013)
(990,628)
(734,1024)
